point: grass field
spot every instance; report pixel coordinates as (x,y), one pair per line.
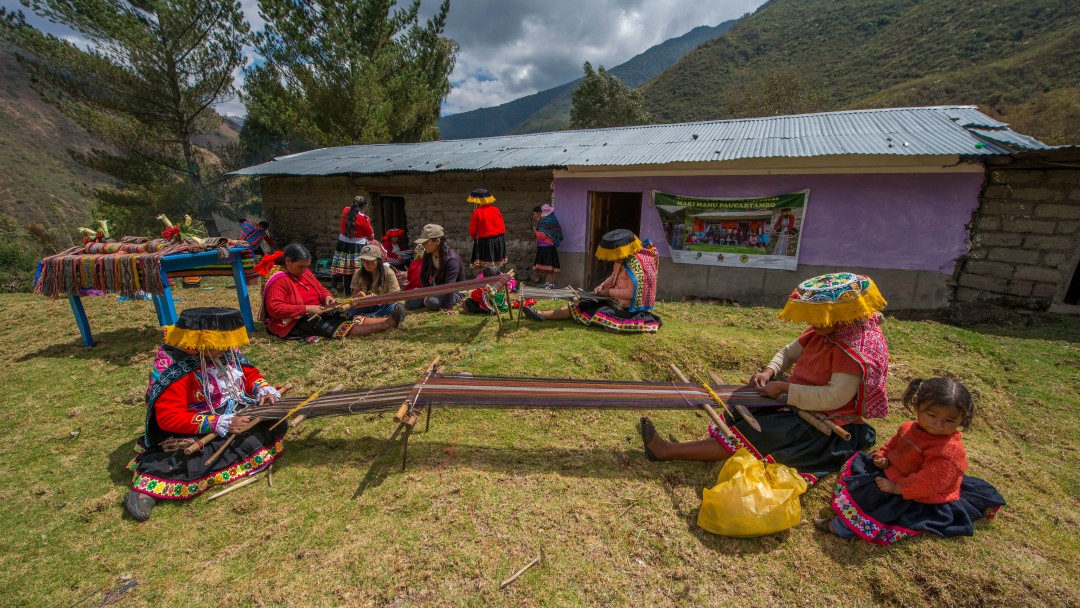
(486,491)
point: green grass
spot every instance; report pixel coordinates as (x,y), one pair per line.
(486,490)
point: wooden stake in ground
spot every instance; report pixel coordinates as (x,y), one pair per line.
(522,571)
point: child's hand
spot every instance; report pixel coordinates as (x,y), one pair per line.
(451,311)
(881,462)
(887,486)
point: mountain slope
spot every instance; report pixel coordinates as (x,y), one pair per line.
(879,53)
(549,110)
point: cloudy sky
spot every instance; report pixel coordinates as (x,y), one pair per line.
(512,48)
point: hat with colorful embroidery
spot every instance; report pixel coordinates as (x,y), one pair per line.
(832,299)
(209,328)
(617,245)
(480,196)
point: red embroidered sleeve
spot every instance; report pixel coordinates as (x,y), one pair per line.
(172,409)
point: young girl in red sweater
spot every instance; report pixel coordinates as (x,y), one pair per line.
(916,483)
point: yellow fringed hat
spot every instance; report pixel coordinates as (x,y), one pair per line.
(617,245)
(480,196)
(831,299)
(204,329)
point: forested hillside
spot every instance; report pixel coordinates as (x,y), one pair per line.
(1017,59)
(549,110)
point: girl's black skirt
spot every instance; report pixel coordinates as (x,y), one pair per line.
(547,259)
(884,518)
(489,251)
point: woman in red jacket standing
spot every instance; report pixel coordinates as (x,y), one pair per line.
(355,232)
(291,294)
(487,230)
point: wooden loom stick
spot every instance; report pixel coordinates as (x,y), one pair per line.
(837,430)
(705,406)
(742,409)
(313,397)
(237,486)
(813,420)
(403,411)
(206,439)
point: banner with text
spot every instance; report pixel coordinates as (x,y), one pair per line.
(747,232)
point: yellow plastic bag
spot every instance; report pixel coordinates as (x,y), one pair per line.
(751,498)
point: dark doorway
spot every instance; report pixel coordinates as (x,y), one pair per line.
(609,211)
(1072,296)
(390,213)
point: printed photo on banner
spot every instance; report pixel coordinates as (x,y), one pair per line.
(747,232)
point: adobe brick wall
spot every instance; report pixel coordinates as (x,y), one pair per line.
(308,209)
(1025,239)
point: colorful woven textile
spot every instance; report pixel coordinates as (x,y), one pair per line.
(127,267)
(643,268)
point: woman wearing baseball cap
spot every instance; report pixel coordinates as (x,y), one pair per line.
(439,266)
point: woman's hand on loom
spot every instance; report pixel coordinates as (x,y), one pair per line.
(241,424)
(774,389)
(329,301)
(268,399)
(312,309)
(760,379)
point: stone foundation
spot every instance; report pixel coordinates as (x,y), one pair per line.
(1025,239)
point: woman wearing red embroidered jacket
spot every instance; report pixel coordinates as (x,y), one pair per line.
(840,366)
(292,295)
(204,390)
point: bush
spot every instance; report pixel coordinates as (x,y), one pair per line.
(17,267)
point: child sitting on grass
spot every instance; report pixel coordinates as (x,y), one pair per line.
(916,483)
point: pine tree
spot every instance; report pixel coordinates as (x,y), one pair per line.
(146,88)
(341,72)
(602,100)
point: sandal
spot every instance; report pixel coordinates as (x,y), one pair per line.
(648,431)
(533,314)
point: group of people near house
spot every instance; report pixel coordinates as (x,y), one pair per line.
(915,483)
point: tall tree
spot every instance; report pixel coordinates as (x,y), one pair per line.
(145,87)
(343,72)
(602,100)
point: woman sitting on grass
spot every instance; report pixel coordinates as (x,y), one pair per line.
(291,295)
(439,265)
(203,390)
(631,287)
(842,362)
(374,278)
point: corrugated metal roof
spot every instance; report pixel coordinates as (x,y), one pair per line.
(941,130)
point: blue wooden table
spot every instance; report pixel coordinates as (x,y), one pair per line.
(163,303)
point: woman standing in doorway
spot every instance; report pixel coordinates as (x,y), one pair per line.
(354,232)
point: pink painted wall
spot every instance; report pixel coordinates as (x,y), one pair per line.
(899,221)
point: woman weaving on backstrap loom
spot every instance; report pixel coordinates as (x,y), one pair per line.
(204,389)
(292,296)
(631,287)
(842,362)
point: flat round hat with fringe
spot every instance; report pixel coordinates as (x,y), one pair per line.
(617,245)
(832,299)
(480,196)
(209,328)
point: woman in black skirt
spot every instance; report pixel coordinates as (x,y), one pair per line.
(842,362)
(203,390)
(487,229)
